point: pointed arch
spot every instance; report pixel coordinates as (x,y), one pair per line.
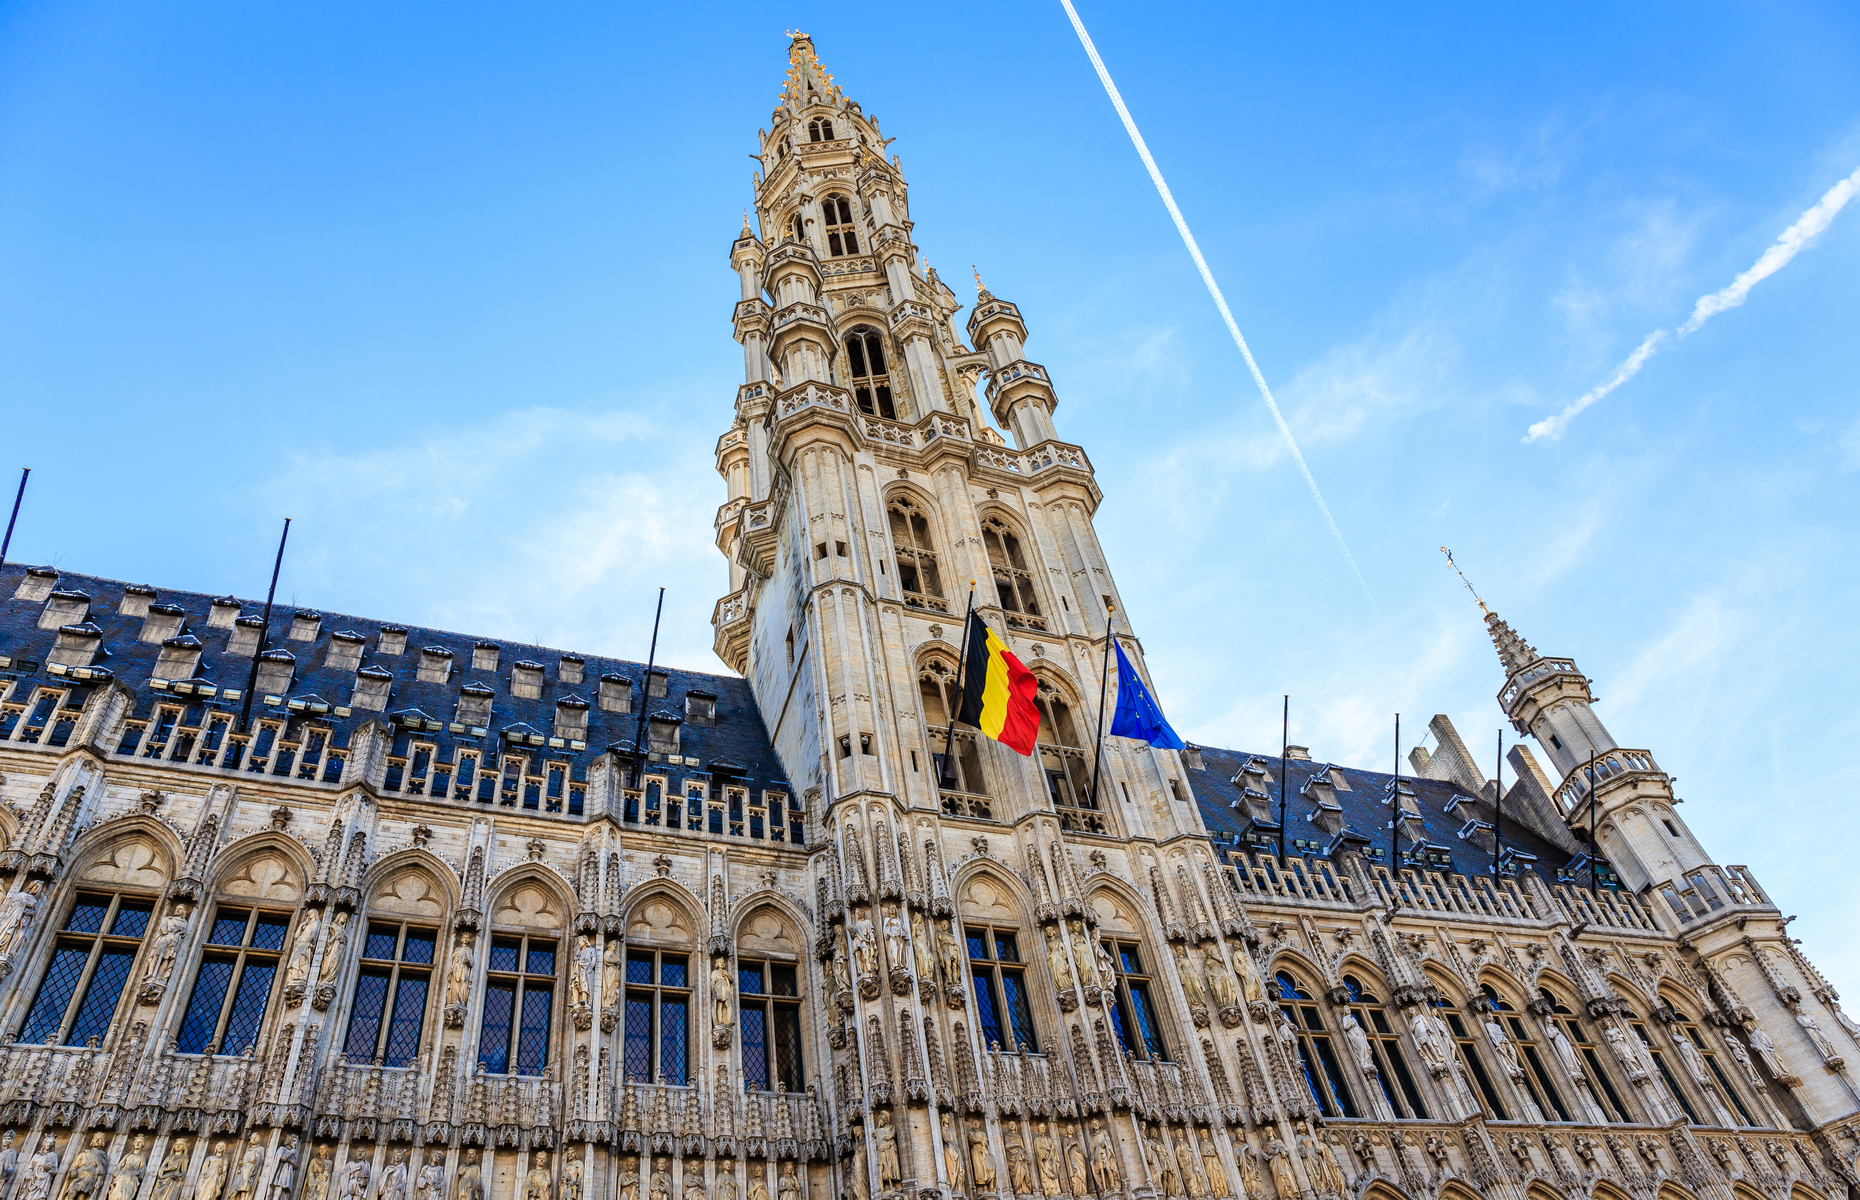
(530,896)
(1454,1190)
(267,865)
(136,850)
(1672,1191)
(413,881)
(1013,560)
(1381,1189)
(1604,1190)
(664,913)
(1506,984)
(1802,1191)
(1539,1190)
(914,526)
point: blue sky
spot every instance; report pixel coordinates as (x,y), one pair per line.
(449,286)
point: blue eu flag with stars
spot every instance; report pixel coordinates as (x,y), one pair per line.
(1137,714)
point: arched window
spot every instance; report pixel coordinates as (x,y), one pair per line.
(1659,1060)
(771,1000)
(918,576)
(1133,1010)
(1385,1044)
(1001,1006)
(1063,760)
(658,1016)
(390,994)
(797,227)
(820,129)
(871,382)
(842,236)
(91,961)
(1323,1073)
(1013,581)
(1686,1028)
(1536,1077)
(1579,1056)
(1468,1048)
(233,985)
(959,773)
(519,1002)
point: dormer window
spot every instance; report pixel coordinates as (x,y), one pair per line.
(871,383)
(66,608)
(180,658)
(820,129)
(435,665)
(371,689)
(842,239)
(393,640)
(484,656)
(655,684)
(616,694)
(475,705)
(526,681)
(224,612)
(663,735)
(571,718)
(77,646)
(163,622)
(570,669)
(245,636)
(36,585)
(136,601)
(701,708)
(798,227)
(275,668)
(305,626)
(345,651)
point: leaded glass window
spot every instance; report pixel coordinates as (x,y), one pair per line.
(1133,1008)
(1385,1044)
(233,986)
(519,1005)
(1586,1050)
(657,1046)
(1536,1077)
(771,1010)
(1316,1054)
(1001,1004)
(390,994)
(91,962)
(1468,1049)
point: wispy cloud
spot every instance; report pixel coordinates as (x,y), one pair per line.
(1785,248)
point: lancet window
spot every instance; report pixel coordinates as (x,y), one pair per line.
(390,994)
(1385,1046)
(91,962)
(918,576)
(1065,764)
(820,129)
(1133,1011)
(233,985)
(842,235)
(1316,1052)
(658,1017)
(1013,581)
(1587,1053)
(1685,1027)
(1001,1006)
(1536,1077)
(867,371)
(771,1003)
(959,778)
(519,1005)
(1467,1047)
(1659,1061)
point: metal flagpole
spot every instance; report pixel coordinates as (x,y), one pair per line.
(1104,682)
(17,497)
(1498,804)
(264,633)
(1285,742)
(645,696)
(962,654)
(1395,824)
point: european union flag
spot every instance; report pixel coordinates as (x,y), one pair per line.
(1137,714)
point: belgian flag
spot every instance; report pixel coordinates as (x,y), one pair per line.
(997,691)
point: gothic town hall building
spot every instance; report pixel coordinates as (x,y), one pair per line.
(457,919)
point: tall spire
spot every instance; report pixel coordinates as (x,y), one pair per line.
(805,74)
(1513,651)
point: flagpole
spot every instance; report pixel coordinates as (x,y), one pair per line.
(17,497)
(1104,681)
(962,651)
(1498,805)
(1395,824)
(264,632)
(1285,742)
(645,696)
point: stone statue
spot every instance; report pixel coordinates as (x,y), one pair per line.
(920,949)
(539,1184)
(87,1169)
(1694,1061)
(316,1175)
(1358,1041)
(1088,960)
(1742,1058)
(1190,1164)
(1326,1176)
(1217,1175)
(726,1184)
(9,1162)
(865,946)
(1103,1160)
(587,969)
(1191,983)
(333,947)
(212,1174)
(1020,1171)
(613,962)
(1220,981)
(571,1179)
(1495,1033)
(981,1162)
(245,1175)
(890,1174)
(952,1157)
(842,980)
(1846,1022)
(394,1177)
(1813,1030)
(164,946)
(172,1177)
(758,1185)
(951,954)
(355,1179)
(16,915)
(1060,965)
(1251,989)
(1078,1175)
(297,971)
(36,1182)
(861,1179)
(430,1183)
(1432,1052)
(1281,1163)
(1560,1046)
(895,950)
(629,1181)
(1628,1050)
(459,972)
(1107,970)
(1163,1165)
(1046,1160)
(284,1175)
(659,1187)
(788,1187)
(126,1180)
(469,1183)
(722,992)
(1252,1186)
(694,1180)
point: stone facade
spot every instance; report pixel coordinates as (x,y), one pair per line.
(325,907)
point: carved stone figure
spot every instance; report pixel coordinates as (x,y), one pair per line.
(895,949)
(1163,1165)
(1104,1160)
(394,1177)
(87,1169)
(316,1175)
(1321,1166)
(36,1181)
(1046,1160)
(861,1173)
(1088,961)
(1220,981)
(758,1185)
(284,1175)
(1432,1052)
(787,1187)
(172,1177)
(1280,1160)
(430,1183)
(886,1138)
(571,1179)
(659,1187)
(9,1162)
(1020,1170)
(722,992)
(459,971)
(1251,989)
(539,1184)
(1813,1030)
(865,946)
(981,1162)
(1628,1050)
(1058,963)
(581,975)
(1358,1041)
(951,954)
(1191,983)
(245,1175)
(1742,1058)
(1693,1061)
(1217,1175)
(1190,1164)
(1252,1186)
(1561,1047)
(297,970)
(1766,1050)
(469,1183)
(212,1174)
(920,949)
(613,962)
(1107,970)
(355,1179)
(126,1180)
(1078,1175)
(1846,1022)
(15,919)
(629,1180)
(694,1180)
(1501,1044)
(726,1185)
(333,947)
(952,1157)
(164,946)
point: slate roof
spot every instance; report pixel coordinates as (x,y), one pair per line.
(1364,810)
(737,744)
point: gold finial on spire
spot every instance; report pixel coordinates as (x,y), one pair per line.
(745,222)
(1466,581)
(978,278)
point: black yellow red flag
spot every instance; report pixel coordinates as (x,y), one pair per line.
(997,690)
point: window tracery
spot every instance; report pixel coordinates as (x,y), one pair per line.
(1013,581)
(959,779)
(91,962)
(1474,1062)
(391,990)
(770,995)
(1001,1006)
(820,129)
(519,1004)
(1133,1008)
(232,987)
(657,1037)
(1385,1048)
(1064,762)
(918,575)
(842,235)
(867,371)
(1317,1054)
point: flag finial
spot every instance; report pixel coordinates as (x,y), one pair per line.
(1466,581)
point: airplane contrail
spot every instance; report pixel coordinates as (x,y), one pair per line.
(1220,301)
(1786,247)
